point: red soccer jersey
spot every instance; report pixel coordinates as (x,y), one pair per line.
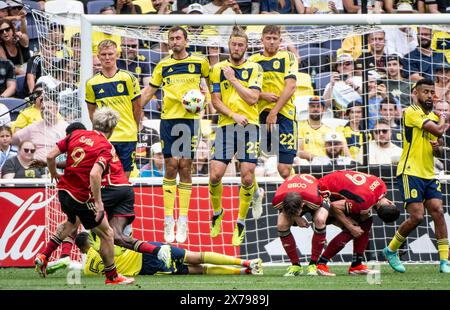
(115,175)
(84,149)
(304,184)
(361,190)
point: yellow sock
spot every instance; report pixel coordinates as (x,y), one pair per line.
(396,242)
(220,259)
(443,249)
(184,193)
(169,194)
(215,191)
(221,270)
(245,198)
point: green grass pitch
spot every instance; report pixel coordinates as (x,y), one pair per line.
(416,277)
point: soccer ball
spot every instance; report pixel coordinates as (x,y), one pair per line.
(193,101)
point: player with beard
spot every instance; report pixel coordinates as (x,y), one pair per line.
(422,132)
(235,86)
(177,73)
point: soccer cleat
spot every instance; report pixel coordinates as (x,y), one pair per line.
(169,226)
(256,266)
(238,234)
(444,267)
(165,255)
(257,200)
(216,224)
(119,280)
(41,262)
(61,263)
(294,271)
(361,270)
(324,271)
(393,260)
(311,270)
(181,231)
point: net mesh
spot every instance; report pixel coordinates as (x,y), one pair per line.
(321,50)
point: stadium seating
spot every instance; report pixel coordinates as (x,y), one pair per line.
(94,7)
(14,105)
(320,81)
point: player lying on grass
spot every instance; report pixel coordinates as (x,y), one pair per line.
(183,262)
(353,194)
(298,195)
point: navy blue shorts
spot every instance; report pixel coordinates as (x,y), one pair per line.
(239,140)
(415,189)
(286,137)
(152,265)
(126,152)
(179,137)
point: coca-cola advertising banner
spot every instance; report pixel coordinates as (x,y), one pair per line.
(22,225)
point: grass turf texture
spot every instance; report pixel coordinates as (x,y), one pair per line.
(422,277)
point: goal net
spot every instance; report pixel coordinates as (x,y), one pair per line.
(335,62)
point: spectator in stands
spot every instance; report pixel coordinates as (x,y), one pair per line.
(156,166)
(183,5)
(132,61)
(334,151)
(44,133)
(32,113)
(400,40)
(108,10)
(381,150)
(3,10)
(352,130)
(281,7)
(18,167)
(34,72)
(442,81)
(311,132)
(443,106)
(323,6)
(419,63)
(377,93)
(96,64)
(7,78)
(354,7)
(5,117)
(223,7)
(376,57)
(14,45)
(17,14)
(6,149)
(390,113)
(161,6)
(397,86)
(435,6)
(127,7)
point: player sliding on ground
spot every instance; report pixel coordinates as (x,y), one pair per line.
(298,195)
(352,195)
(236,84)
(185,262)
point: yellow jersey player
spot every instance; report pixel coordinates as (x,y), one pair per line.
(178,73)
(119,90)
(235,85)
(422,132)
(276,105)
(184,262)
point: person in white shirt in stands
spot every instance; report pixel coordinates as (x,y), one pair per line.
(381,150)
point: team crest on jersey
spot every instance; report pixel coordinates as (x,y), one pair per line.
(226,85)
(120,88)
(276,64)
(191,68)
(244,74)
(138,70)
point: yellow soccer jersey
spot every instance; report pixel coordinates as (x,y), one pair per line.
(177,77)
(249,74)
(129,263)
(117,93)
(27,117)
(313,139)
(354,141)
(417,156)
(282,66)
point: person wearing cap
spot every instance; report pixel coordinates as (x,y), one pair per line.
(381,150)
(419,63)
(334,150)
(156,166)
(311,132)
(17,14)
(442,81)
(396,85)
(131,60)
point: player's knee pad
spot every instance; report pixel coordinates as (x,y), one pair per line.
(284,233)
(319,230)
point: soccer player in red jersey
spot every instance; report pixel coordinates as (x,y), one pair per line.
(299,194)
(353,194)
(89,154)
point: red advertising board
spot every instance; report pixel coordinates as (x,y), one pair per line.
(23,222)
